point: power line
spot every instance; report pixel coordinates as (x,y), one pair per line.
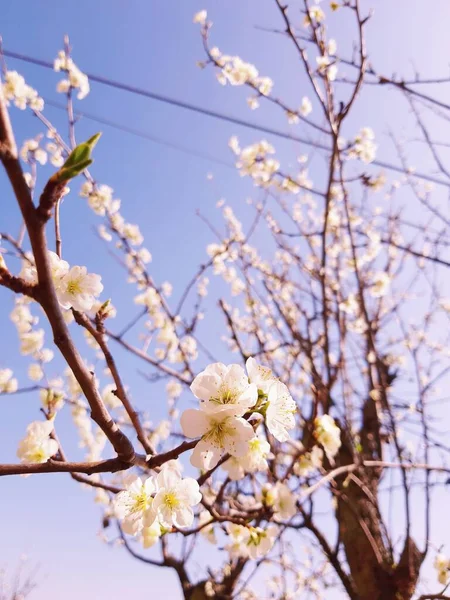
(168,100)
(216,115)
(142,134)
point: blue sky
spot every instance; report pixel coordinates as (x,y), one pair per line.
(155,45)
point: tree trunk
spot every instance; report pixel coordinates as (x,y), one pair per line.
(373,568)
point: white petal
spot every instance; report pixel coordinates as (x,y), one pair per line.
(189,491)
(204,456)
(168,478)
(183,517)
(194,423)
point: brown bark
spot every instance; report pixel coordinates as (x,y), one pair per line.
(373,568)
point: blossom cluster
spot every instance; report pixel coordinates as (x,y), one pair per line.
(442,566)
(75,287)
(37,446)
(76,79)
(16,90)
(363,146)
(163,327)
(148,506)
(226,395)
(8,383)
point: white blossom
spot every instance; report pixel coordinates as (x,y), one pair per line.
(328,435)
(280,411)
(78,289)
(220,432)
(31,342)
(133,506)
(175,498)
(221,386)
(8,383)
(151,534)
(37,446)
(200,17)
(284,501)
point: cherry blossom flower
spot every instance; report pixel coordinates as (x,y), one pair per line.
(133,506)
(380,284)
(37,446)
(58,268)
(151,534)
(221,386)
(35,372)
(260,541)
(220,432)
(280,411)
(78,289)
(15,89)
(442,566)
(364,146)
(305,106)
(284,501)
(8,384)
(239,536)
(308,462)
(200,17)
(31,151)
(328,434)
(261,376)
(31,342)
(76,79)
(175,498)
(254,460)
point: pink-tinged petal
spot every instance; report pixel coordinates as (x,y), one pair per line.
(249,397)
(213,408)
(168,479)
(204,456)
(132,524)
(237,443)
(51,447)
(205,386)
(134,484)
(235,378)
(244,430)
(241,448)
(183,517)
(252,368)
(158,500)
(165,515)
(189,490)
(279,433)
(149,517)
(149,486)
(194,423)
(218,369)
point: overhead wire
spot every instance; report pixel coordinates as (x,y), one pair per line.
(213,114)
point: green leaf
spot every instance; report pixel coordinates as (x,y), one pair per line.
(67,173)
(82,152)
(92,141)
(77,161)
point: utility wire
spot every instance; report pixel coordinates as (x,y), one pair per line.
(216,115)
(142,134)
(168,100)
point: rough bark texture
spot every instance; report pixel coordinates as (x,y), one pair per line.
(372,565)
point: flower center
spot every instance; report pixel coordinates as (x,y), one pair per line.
(38,455)
(218,432)
(74,287)
(171,500)
(225,396)
(140,503)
